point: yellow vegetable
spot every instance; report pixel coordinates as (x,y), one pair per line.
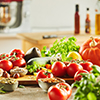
(35,73)
(74,55)
(46,69)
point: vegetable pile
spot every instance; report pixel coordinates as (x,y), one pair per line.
(84,72)
(61,60)
(15,58)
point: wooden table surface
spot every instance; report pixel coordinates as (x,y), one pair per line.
(28,93)
(32,92)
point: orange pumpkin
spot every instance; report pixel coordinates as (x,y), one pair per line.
(90,50)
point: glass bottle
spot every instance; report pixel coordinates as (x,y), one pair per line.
(97,18)
(87,22)
(77,20)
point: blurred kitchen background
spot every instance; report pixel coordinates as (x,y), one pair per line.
(27,16)
(59,14)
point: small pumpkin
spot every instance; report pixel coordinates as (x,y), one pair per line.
(90,50)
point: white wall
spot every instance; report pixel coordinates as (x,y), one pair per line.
(60,13)
(7,44)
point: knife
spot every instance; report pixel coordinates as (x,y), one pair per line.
(55,36)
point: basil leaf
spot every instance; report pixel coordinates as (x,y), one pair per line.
(96,70)
(91,96)
(2,92)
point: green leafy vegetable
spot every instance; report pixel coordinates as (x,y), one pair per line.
(21,86)
(88,88)
(2,91)
(96,70)
(91,96)
(34,67)
(61,46)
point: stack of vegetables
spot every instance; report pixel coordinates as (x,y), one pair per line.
(63,59)
(69,60)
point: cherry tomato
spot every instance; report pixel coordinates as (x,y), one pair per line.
(43,74)
(4,56)
(78,77)
(87,66)
(6,65)
(60,91)
(17,53)
(48,66)
(20,62)
(72,68)
(58,69)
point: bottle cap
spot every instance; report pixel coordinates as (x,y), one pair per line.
(77,7)
(87,8)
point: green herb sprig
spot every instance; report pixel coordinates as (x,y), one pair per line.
(2,91)
(21,86)
(33,68)
(61,46)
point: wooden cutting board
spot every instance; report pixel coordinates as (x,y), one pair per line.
(31,80)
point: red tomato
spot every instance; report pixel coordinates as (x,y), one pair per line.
(20,62)
(67,87)
(60,91)
(6,65)
(78,77)
(17,52)
(72,68)
(4,56)
(58,69)
(43,74)
(86,66)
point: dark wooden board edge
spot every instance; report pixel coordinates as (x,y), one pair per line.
(33,82)
(26,81)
